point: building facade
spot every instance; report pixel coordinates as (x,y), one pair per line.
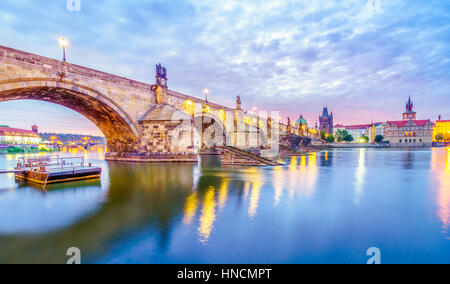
(409,132)
(17,136)
(441,131)
(364,130)
(326,121)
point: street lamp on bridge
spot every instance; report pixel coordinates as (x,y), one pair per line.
(206,92)
(63,42)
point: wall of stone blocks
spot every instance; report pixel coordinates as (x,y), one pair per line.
(166,137)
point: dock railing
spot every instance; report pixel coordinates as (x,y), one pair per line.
(45,164)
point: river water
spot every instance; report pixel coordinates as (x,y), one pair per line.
(329,207)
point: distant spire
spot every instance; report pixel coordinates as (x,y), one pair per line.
(325,112)
(409,105)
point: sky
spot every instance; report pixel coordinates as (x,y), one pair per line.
(361,58)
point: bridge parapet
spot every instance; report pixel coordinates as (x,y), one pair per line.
(120,106)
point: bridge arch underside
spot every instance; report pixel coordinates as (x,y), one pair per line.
(121,134)
(211,130)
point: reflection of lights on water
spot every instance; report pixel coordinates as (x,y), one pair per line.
(293,164)
(302,179)
(441,171)
(360,175)
(247,185)
(309,173)
(190,209)
(223,193)
(208,215)
(257,180)
(303,162)
(254,199)
(447,163)
(278,184)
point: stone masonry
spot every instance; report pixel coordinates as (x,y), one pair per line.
(138,119)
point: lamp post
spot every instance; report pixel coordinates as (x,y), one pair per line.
(63,42)
(206,92)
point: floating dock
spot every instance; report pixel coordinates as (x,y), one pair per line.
(45,170)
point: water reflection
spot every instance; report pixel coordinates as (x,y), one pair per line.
(408,160)
(38,212)
(278,184)
(360,177)
(223,193)
(190,209)
(200,214)
(208,215)
(326,159)
(441,171)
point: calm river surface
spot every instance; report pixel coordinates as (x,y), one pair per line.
(330,207)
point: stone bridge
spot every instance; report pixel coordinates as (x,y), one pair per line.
(137,119)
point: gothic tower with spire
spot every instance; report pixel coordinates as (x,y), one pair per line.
(409,114)
(326,121)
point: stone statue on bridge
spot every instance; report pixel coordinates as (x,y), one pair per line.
(161,71)
(238,102)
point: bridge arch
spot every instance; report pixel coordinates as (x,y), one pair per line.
(211,129)
(122,133)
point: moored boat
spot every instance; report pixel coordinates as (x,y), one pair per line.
(46,170)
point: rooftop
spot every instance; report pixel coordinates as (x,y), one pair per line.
(7,131)
(403,123)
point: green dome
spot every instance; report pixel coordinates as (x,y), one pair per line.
(302,121)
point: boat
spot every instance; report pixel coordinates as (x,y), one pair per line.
(46,170)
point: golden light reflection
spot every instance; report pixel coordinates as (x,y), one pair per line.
(310,173)
(293,164)
(441,169)
(278,184)
(254,199)
(208,215)
(360,175)
(190,208)
(302,179)
(247,186)
(257,180)
(293,176)
(303,162)
(223,193)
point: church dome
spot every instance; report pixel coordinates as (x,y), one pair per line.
(302,121)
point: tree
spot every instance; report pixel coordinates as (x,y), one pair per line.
(440,137)
(379,138)
(349,138)
(341,134)
(365,138)
(330,139)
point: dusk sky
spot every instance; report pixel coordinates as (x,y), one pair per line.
(360,58)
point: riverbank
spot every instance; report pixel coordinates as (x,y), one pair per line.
(18,150)
(357,145)
(286,152)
